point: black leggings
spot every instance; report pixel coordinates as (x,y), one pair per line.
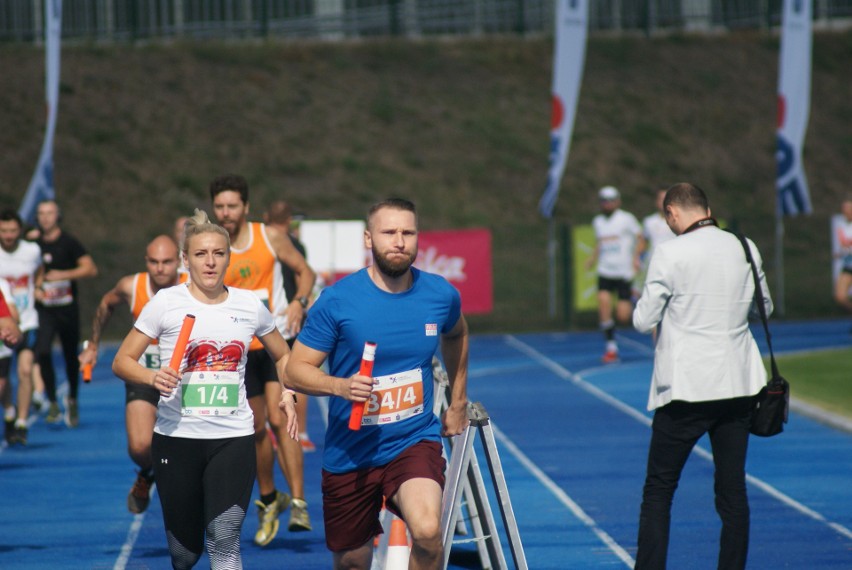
(204,486)
(64,321)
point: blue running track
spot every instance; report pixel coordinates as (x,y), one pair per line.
(573,437)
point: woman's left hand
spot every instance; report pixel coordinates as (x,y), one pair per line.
(288,406)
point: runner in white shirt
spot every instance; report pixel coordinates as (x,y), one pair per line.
(617,257)
(21,267)
(655,231)
(5,365)
(844,241)
(203,445)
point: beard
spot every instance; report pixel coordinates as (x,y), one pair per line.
(393,269)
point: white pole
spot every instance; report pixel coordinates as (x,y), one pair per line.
(778,294)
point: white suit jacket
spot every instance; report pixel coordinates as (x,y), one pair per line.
(699,288)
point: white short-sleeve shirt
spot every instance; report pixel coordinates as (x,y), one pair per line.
(616,235)
(210,401)
(19,268)
(5,351)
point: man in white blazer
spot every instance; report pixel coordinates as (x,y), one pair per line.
(698,293)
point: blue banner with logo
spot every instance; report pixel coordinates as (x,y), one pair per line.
(794,101)
(568,59)
(41,185)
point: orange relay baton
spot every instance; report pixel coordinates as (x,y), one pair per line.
(180,345)
(87,368)
(367,358)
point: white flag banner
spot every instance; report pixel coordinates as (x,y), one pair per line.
(41,184)
(568,60)
(794,101)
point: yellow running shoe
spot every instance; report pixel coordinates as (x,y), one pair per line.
(299,518)
(268,518)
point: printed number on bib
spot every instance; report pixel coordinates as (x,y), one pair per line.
(210,393)
(151,357)
(396,397)
(57,293)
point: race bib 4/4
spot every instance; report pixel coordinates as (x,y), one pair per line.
(396,397)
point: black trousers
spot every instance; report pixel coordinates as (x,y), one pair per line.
(676,428)
(204,487)
(64,322)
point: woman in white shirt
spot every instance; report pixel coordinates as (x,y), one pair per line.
(203,445)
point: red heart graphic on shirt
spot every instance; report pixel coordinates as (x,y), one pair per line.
(208,354)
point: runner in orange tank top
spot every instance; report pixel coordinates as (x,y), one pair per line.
(253,267)
(255,251)
(135,290)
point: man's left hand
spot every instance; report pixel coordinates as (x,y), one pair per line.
(288,406)
(294,313)
(455,420)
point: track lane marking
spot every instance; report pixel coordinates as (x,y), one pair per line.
(563,497)
(576,379)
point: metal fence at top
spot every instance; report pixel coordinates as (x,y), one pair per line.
(130,20)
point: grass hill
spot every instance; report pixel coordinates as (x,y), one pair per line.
(461,126)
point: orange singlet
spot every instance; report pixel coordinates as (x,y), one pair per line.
(255,268)
(142,293)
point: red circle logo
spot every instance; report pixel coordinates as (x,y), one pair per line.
(557,112)
(782,111)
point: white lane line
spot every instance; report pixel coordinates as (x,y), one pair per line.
(797,405)
(822,416)
(562,372)
(129,542)
(563,497)
(566,374)
(547,482)
(640,346)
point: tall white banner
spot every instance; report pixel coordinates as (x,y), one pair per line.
(568,59)
(794,102)
(41,184)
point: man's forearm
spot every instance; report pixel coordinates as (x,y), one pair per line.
(308,379)
(455,349)
(102,317)
(305,280)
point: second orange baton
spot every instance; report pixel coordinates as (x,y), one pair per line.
(87,368)
(182,340)
(367,359)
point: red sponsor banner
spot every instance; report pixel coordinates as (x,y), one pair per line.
(462,257)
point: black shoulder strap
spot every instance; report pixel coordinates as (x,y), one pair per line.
(759,299)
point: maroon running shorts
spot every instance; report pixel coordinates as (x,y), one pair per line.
(352,501)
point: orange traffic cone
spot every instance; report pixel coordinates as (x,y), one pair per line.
(398,549)
(380,542)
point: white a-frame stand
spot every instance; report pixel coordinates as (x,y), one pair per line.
(464,483)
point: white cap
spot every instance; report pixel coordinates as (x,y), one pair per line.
(609,193)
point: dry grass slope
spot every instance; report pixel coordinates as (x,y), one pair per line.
(460,126)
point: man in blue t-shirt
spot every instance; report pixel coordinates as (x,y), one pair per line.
(396,453)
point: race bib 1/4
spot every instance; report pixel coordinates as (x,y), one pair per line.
(396,397)
(210,393)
